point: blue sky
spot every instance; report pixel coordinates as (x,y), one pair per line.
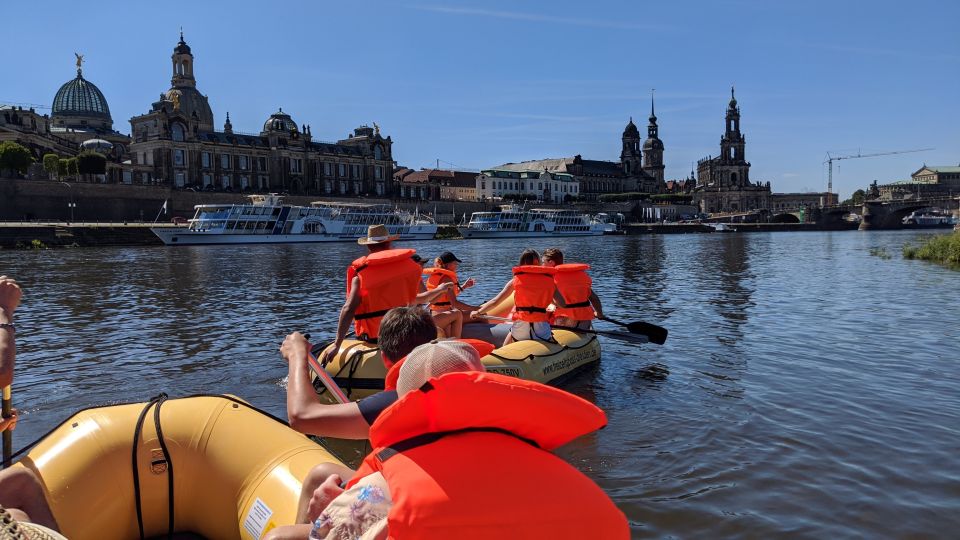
(476,84)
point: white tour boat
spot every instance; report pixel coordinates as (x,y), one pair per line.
(514,222)
(266,220)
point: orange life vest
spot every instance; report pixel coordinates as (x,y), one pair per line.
(388,279)
(435,277)
(461,463)
(533,289)
(574,285)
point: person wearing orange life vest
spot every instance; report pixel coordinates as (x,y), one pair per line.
(432,445)
(533,289)
(447,310)
(385,278)
(577,304)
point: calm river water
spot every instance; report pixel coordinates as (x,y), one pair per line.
(808,389)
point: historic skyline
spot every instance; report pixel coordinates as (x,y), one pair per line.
(810,80)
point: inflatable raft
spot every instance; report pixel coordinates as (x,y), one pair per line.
(208,465)
(359,371)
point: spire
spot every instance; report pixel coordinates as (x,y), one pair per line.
(227,126)
(653,117)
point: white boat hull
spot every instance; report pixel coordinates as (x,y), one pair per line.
(467,232)
(182,236)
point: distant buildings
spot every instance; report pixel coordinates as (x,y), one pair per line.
(435,184)
(546,186)
(928,181)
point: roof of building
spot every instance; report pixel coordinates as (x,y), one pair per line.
(550,164)
(280,121)
(80,97)
(948,169)
(601,168)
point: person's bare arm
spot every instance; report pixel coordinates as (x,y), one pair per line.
(10,294)
(345,319)
(500,297)
(597,306)
(304,411)
(429,296)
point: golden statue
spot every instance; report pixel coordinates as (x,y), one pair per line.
(79,60)
(376,129)
(175,98)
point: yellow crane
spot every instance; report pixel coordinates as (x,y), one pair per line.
(831,159)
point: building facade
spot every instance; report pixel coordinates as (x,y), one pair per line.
(723,182)
(175,144)
(928,181)
(538,185)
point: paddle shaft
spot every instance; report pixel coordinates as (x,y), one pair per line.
(327,380)
(7,434)
(615,335)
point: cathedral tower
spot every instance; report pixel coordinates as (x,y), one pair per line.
(732,145)
(630,157)
(653,150)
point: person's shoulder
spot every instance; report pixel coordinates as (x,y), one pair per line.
(371,406)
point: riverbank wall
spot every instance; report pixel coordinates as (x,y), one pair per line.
(692,228)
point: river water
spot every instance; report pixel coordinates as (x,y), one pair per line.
(808,388)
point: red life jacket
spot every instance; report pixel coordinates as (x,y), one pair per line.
(388,279)
(462,463)
(533,289)
(575,286)
(435,277)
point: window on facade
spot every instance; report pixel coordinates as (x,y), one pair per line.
(261,164)
(207,180)
(177,132)
(377,153)
(225,180)
(328,169)
(244,182)
(178,157)
(180,179)
(343,172)
(225,161)
(483,185)
(378,173)
(521,186)
(296,165)
(242,162)
(356,171)
(205,159)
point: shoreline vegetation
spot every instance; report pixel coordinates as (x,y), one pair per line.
(941,249)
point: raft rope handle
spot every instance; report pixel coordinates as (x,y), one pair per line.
(532,356)
(166,457)
(135,458)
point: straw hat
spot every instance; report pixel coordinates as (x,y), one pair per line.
(434,359)
(377,234)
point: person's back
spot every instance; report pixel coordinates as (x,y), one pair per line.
(577,305)
(503,480)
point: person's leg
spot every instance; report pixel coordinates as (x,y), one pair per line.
(446,322)
(314,479)
(456,326)
(518,332)
(290,532)
(21,489)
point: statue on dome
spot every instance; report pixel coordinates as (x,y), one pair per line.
(376,129)
(79,60)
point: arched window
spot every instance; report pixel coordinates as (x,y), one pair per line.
(733,178)
(177,132)
(377,152)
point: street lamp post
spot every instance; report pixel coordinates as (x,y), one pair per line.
(71,205)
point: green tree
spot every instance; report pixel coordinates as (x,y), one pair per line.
(62,166)
(14,157)
(51,164)
(857,198)
(72,169)
(91,163)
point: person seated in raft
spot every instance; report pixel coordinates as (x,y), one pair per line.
(447,310)
(401,330)
(385,278)
(21,492)
(533,289)
(577,304)
(433,448)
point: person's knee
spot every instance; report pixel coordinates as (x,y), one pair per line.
(317,475)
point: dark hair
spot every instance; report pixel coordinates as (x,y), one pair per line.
(529,256)
(553,255)
(403,329)
(382,246)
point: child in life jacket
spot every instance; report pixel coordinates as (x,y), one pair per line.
(533,289)
(447,310)
(576,303)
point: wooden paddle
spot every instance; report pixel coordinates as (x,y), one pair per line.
(657,334)
(7,434)
(615,335)
(325,377)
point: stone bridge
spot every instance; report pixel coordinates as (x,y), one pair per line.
(876,214)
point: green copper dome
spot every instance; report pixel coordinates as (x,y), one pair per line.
(81,98)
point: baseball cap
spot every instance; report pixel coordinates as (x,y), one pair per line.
(434,359)
(448,257)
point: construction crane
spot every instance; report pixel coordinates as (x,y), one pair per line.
(831,159)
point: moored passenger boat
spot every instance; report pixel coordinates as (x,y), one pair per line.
(266,220)
(515,222)
(235,472)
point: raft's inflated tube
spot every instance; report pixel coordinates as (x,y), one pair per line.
(237,470)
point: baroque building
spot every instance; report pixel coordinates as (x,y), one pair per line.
(723,182)
(175,143)
(640,167)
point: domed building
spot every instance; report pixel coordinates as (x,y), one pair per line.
(80,106)
(176,143)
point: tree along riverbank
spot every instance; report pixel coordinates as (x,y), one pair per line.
(942,249)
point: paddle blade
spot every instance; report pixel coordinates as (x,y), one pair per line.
(657,334)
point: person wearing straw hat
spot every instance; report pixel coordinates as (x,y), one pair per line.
(383,279)
(21,493)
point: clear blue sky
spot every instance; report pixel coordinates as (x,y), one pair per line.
(477,84)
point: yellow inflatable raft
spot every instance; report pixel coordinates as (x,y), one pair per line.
(359,371)
(235,471)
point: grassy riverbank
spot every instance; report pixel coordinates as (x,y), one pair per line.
(943,249)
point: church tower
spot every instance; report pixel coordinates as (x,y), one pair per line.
(182,65)
(653,150)
(732,147)
(630,157)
